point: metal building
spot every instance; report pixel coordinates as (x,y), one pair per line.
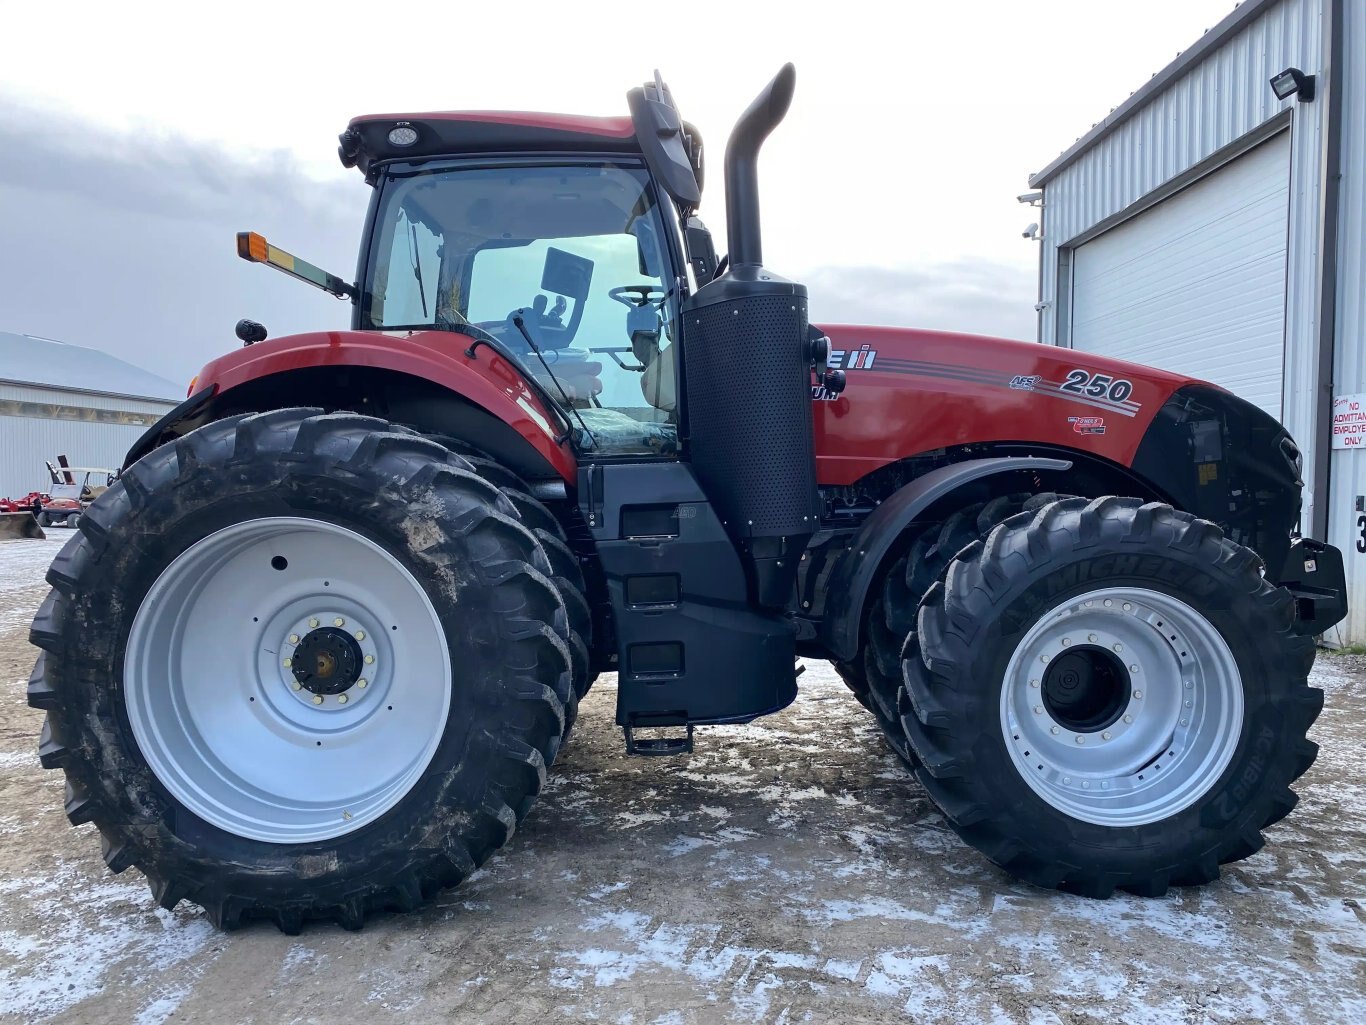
(59,399)
(1213,224)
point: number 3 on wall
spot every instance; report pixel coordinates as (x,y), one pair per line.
(1361,541)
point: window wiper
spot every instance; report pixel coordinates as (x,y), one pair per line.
(521,326)
(417,267)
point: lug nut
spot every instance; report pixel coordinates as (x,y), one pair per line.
(1138,695)
(313,622)
(1081,740)
(1055,731)
(296,685)
(317,699)
(1189,702)
(1119,647)
(339,621)
(1091,637)
(1067,780)
(342,699)
(1038,709)
(1033,683)
(1185,722)
(1133,668)
(1066,641)
(362,682)
(1105,735)
(1128,718)
(1189,685)
(1105,786)
(288,662)
(369,659)
(1108,603)
(1089,604)
(1043,658)
(1126,606)
(1085,785)
(293,638)
(360,635)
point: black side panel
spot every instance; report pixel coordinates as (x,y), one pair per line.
(690,648)
(1224,459)
(749,421)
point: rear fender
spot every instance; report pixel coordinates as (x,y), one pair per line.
(437,363)
(858,569)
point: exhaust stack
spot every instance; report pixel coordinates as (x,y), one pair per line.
(742,166)
(747,362)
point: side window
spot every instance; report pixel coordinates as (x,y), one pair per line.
(618,366)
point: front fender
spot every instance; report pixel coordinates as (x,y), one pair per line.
(852,579)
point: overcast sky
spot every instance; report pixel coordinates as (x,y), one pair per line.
(138,137)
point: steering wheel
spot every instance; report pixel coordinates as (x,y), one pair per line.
(635,296)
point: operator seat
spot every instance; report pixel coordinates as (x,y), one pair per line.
(659,382)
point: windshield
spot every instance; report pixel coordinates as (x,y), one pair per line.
(564,266)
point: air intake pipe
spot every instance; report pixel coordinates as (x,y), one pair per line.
(747,362)
(742,166)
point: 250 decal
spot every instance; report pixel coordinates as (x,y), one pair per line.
(1083,382)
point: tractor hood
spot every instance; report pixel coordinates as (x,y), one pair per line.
(912,392)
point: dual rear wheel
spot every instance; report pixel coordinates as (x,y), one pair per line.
(301,666)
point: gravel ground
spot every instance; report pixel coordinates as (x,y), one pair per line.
(787,871)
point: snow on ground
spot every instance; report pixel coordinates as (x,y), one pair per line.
(787,871)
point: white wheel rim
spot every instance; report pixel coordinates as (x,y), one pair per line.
(1129,747)
(222,718)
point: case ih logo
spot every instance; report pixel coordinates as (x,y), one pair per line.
(1087,424)
(852,359)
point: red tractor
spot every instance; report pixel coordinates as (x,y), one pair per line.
(316,650)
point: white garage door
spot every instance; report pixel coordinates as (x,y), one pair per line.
(1196,284)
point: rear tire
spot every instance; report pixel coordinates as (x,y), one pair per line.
(112,659)
(1136,775)
(564,564)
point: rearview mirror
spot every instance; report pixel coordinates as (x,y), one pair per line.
(566,274)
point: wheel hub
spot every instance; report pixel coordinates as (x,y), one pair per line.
(327,661)
(1086,689)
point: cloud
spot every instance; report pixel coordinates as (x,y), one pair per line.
(975,297)
(125,242)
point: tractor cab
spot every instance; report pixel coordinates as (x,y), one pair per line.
(569,267)
(565,241)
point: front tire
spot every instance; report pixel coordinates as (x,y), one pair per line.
(217,605)
(1109,694)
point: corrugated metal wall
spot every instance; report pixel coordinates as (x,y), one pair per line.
(26,442)
(1348,469)
(1211,106)
(56,396)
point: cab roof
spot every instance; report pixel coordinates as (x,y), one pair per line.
(366,140)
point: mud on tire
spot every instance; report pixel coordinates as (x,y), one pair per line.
(565,569)
(487,579)
(1032,575)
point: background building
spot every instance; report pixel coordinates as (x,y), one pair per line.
(1211,226)
(66,399)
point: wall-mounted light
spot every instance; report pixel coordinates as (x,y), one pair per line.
(1293,82)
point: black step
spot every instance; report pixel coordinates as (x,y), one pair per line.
(658,747)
